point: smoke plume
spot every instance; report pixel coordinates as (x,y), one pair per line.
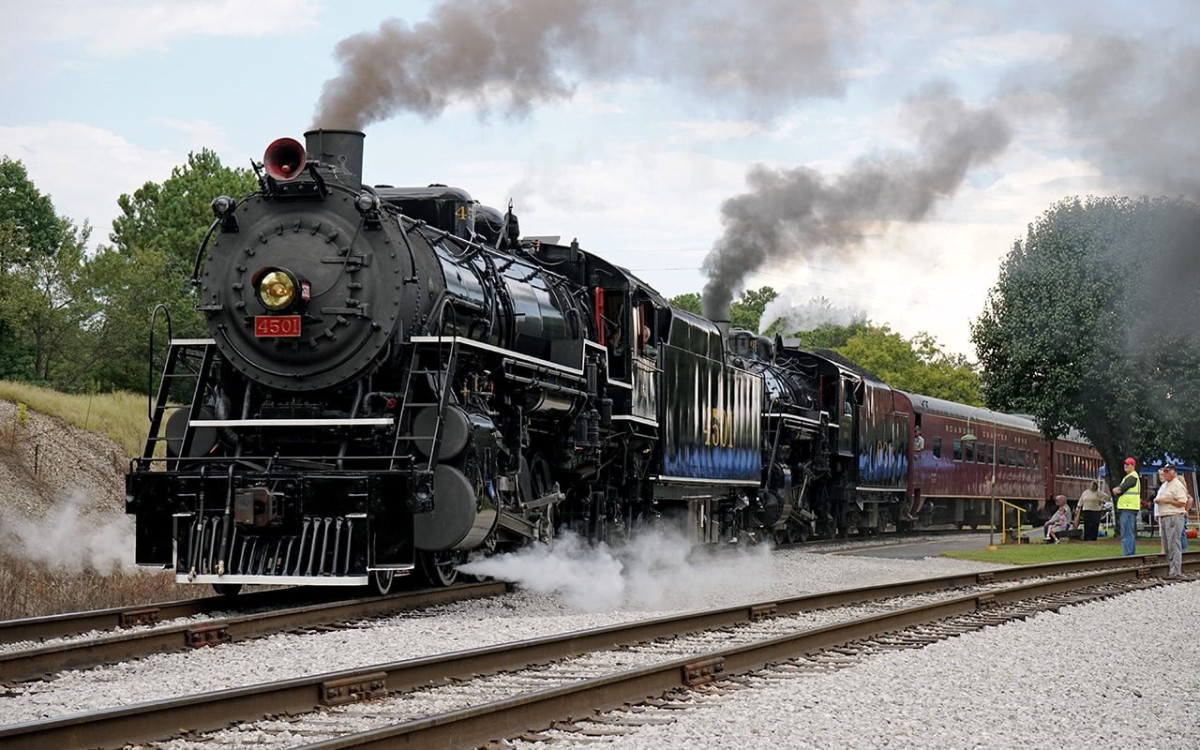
(655,571)
(799,213)
(68,538)
(805,316)
(513,54)
(1136,105)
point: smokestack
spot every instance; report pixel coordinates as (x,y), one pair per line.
(339,148)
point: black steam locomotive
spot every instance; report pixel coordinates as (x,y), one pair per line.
(395,378)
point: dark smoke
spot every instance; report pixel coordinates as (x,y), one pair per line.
(799,213)
(513,54)
(1136,104)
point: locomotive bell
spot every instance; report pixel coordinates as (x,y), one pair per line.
(284,158)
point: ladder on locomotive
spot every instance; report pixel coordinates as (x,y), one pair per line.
(432,359)
(187,359)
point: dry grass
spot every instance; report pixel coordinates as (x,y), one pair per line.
(28,590)
(120,416)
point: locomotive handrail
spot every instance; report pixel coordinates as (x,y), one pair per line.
(150,368)
(356,422)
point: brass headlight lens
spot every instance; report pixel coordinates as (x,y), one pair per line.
(276,290)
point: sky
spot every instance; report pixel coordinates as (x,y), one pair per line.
(882,155)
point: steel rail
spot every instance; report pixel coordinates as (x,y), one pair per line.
(118,727)
(30,663)
(42,628)
(478,725)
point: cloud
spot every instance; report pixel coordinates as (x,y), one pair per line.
(125,27)
(691,133)
(1009,48)
(84,169)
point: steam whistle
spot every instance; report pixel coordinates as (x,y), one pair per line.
(284,159)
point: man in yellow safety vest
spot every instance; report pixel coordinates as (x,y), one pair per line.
(1128,496)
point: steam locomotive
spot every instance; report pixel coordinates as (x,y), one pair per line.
(396,379)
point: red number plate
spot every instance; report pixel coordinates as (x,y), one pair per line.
(282,326)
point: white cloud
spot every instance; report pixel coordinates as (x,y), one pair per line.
(690,133)
(1008,48)
(84,169)
(124,27)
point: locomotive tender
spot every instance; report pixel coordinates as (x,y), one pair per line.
(395,379)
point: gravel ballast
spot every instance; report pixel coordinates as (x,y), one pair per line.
(1119,674)
(990,689)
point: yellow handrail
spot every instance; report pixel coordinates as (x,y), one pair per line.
(1004,526)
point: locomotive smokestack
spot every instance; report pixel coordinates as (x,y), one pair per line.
(341,148)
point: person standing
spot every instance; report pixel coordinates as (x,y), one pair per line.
(1128,496)
(1172,510)
(1090,508)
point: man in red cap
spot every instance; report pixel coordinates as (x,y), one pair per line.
(1128,496)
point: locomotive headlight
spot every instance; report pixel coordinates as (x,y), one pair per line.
(222,205)
(276,289)
(366,202)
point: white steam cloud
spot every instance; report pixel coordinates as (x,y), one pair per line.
(805,316)
(658,570)
(70,539)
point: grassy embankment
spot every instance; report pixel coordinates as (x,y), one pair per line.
(29,589)
(1031,554)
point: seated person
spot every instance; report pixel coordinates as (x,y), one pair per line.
(1059,522)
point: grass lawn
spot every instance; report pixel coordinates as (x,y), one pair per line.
(1037,552)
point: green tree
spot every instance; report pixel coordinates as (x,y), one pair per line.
(743,313)
(1091,324)
(917,366)
(30,235)
(747,312)
(30,226)
(46,302)
(689,302)
(153,252)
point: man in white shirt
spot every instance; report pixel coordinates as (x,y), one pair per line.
(1171,503)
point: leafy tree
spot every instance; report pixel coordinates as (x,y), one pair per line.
(1092,324)
(30,234)
(689,302)
(155,240)
(29,224)
(743,313)
(172,217)
(918,366)
(45,302)
(747,311)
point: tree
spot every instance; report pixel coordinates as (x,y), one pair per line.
(1092,324)
(29,224)
(917,366)
(747,312)
(30,235)
(46,301)
(172,217)
(155,240)
(743,313)
(689,302)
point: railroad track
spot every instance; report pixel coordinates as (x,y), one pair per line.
(143,631)
(470,698)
